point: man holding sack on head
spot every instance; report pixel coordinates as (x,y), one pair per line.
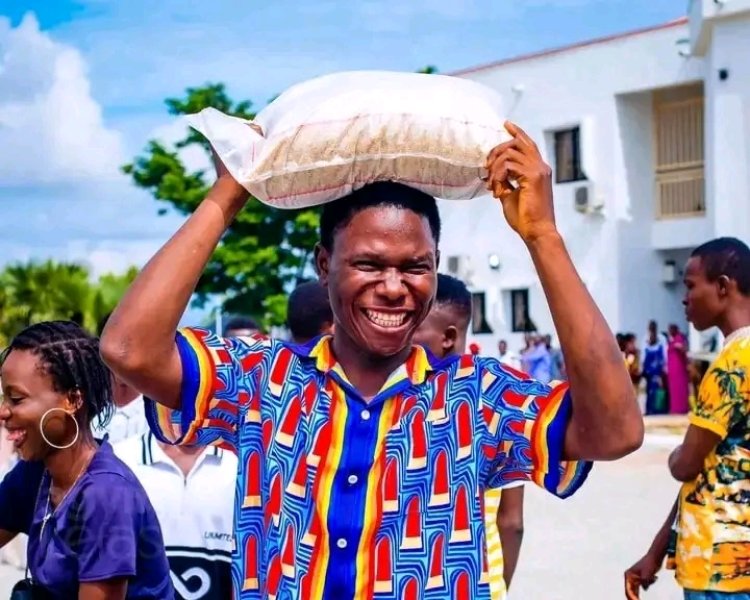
(362,458)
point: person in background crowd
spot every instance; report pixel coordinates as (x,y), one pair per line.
(129,415)
(654,363)
(661,337)
(632,358)
(93,535)
(309,313)
(507,356)
(557,360)
(677,371)
(350,414)
(443,333)
(241,327)
(537,360)
(192,491)
(711,517)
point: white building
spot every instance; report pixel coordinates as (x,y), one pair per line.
(648,135)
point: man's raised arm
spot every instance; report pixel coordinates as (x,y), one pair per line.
(606,422)
(138,342)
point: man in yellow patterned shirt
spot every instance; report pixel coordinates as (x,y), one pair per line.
(443,333)
(709,524)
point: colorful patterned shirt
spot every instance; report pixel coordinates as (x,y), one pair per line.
(338,497)
(713,528)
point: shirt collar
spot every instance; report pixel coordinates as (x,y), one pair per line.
(742,332)
(134,408)
(416,367)
(152,454)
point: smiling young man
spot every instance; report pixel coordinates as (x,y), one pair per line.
(361,459)
(443,333)
(710,521)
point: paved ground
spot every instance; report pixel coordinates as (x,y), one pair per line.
(578,549)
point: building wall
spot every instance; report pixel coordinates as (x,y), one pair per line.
(606,89)
(728,127)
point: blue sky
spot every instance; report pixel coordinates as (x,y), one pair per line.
(82,84)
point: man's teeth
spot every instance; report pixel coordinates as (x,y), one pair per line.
(386,319)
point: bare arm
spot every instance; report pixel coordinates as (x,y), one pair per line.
(510,526)
(660,544)
(114,589)
(606,423)
(138,342)
(643,573)
(687,460)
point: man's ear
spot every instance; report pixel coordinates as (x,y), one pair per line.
(724,285)
(450,335)
(322,263)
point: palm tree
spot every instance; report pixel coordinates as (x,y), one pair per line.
(34,292)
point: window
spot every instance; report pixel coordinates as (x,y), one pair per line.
(568,155)
(520,320)
(679,152)
(479,322)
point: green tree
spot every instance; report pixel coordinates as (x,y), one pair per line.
(265,252)
(43,291)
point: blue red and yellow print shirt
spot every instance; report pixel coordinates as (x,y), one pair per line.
(339,498)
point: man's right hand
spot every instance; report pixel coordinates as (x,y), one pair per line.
(641,575)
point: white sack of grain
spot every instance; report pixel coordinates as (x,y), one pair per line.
(324,138)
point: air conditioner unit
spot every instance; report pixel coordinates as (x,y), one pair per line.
(459,266)
(586,201)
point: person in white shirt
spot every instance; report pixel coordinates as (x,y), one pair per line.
(129,417)
(192,491)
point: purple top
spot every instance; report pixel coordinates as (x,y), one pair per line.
(105,528)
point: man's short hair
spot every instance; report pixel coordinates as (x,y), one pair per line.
(452,292)
(240,322)
(337,214)
(726,256)
(308,310)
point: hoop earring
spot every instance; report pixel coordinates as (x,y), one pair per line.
(44,436)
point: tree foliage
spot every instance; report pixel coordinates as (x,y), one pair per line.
(265,252)
(42,291)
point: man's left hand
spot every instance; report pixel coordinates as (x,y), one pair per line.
(527,206)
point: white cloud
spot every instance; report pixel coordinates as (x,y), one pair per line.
(51,128)
(111,256)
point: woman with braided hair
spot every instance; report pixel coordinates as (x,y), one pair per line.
(92,532)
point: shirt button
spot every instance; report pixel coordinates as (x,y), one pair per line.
(341,543)
(352,479)
(365,414)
